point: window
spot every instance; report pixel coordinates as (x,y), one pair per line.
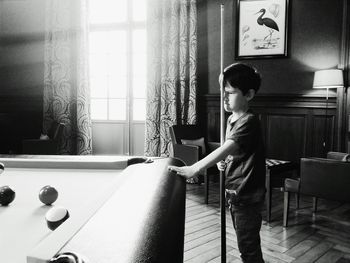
(118,58)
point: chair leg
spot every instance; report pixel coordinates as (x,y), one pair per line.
(268,196)
(297,198)
(314,204)
(206,188)
(286,209)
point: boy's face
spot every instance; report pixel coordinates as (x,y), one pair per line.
(234,100)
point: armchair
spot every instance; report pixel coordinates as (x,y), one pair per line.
(45,146)
(327,178)
(190,145)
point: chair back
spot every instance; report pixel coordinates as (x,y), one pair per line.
(51,132)
(324,178)
(59,132)
(188,132)
(56,131)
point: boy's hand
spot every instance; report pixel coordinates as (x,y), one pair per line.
(184,171)
(221,166)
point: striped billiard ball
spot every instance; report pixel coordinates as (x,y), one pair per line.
(56,216)
(68,257)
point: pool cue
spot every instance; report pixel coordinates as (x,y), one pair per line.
(222,138)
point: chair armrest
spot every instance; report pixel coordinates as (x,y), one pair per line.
(291,185)
(36,146)
(212,146)
(325,178)
(189,154)
(336,155)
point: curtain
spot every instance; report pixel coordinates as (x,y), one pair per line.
(66,97)
(172,81)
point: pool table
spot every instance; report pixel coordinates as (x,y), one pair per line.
(121,209)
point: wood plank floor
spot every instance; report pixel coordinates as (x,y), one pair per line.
(320,238)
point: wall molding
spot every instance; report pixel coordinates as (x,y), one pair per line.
(280,100)
(293,126)
(21,38)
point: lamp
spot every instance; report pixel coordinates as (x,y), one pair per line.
(326,79)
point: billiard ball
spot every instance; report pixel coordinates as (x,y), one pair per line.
(2,168)
(48,195)
(56,216)
(68,257)
(7,195)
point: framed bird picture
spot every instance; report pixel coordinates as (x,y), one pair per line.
(261,29)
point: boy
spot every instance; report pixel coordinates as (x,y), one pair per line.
(244,163)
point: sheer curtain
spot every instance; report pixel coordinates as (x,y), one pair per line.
(172,81)
(66,83)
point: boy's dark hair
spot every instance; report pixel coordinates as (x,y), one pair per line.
(243,77)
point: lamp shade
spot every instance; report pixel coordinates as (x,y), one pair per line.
(328,78)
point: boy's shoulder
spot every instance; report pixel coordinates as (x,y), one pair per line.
(250,116)
(249,121)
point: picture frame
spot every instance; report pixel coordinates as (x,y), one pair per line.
(261,29)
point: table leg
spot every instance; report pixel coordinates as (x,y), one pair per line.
(268,195)
(206,188)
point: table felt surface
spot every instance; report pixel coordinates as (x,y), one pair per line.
(22,223)
(141,221)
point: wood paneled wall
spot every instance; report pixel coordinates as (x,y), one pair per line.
(20,118)
(293,126)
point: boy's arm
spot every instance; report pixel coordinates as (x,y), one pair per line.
(211,159)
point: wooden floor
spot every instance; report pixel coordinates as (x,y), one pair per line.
(324,238)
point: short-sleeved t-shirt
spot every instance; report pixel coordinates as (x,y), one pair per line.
(245,171)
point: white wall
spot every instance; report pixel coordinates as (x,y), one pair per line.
(22,26)
(22,16)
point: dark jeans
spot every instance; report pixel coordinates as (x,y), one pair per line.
(247,223)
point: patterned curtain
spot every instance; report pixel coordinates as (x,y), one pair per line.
(66,86)
(172,81)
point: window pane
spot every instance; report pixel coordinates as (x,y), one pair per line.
(139,109)
(117,41)
(139,52)
(117,86)
(98,86)
(117,64)
(107,11)
(117,109)
(139,84)
(139,38)
(97,42)
(139,10)
(139,64)
(108,42)
(98,64)
(99,109)
(108,60)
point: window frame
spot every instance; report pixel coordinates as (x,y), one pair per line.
(129,26)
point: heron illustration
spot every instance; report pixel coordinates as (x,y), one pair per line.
(268,22)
